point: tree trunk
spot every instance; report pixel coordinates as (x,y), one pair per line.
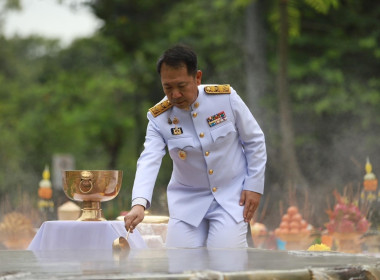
(114,149)
(292,176)
(256,62)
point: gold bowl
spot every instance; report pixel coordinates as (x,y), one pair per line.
(91,187)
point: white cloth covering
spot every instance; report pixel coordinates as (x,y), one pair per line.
(82,235)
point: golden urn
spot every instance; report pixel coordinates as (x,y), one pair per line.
(91,187)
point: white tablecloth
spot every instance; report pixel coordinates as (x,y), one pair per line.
(82,235)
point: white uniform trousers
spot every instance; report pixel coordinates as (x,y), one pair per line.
(217,230)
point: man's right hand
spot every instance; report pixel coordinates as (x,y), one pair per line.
(134,217)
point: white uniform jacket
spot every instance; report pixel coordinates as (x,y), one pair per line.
(217,161)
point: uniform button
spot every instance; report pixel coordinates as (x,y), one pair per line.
(210,171)
(214,189)
(201,134)
(207,153)
(196,105)
(195,115)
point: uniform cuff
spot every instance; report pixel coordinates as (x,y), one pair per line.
(140,201)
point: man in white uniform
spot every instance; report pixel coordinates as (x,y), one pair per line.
(218,152)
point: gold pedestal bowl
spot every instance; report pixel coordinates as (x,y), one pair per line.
(92,187)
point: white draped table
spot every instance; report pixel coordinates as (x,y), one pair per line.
(82,235)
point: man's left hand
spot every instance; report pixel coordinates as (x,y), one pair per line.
(251,201)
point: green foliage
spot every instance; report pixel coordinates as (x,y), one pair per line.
(335,90)
(295,15)
(294,18)
(323,6)
(75,101)
(11,5)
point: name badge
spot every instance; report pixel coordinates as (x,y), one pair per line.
(177,130)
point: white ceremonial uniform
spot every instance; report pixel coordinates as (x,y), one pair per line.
(219,152)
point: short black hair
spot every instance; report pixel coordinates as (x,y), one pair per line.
(178,56)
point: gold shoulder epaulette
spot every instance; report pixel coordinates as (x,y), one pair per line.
(218,89)
(161,107)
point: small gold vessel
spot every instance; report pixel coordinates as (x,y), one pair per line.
(91,187)
(121,243)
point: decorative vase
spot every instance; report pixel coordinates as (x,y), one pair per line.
(348,242)
(372,243)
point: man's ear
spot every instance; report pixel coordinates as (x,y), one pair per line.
(198,77)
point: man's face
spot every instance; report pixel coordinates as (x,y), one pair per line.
(180,88)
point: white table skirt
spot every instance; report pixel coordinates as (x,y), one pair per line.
(82,235)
